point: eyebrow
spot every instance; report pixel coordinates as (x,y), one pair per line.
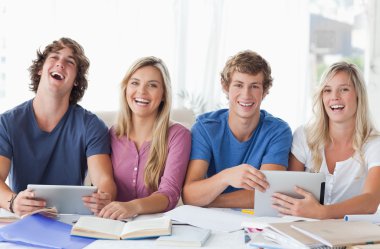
(255,82)
(70,56)
(344,84)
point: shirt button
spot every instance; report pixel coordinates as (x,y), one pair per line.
(134,180)
(135,168)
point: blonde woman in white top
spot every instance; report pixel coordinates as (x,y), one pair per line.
(342,143)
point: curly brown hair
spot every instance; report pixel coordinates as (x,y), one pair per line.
(80,58)
(248,62)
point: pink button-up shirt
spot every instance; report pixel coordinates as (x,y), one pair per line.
(129,164)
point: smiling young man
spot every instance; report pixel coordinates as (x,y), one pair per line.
(50,139)
(231,146)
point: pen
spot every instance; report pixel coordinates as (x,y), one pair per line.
(247,211)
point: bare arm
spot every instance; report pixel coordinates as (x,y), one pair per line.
(367,202)
(241,198)
(155,203)
(24,202)
(294,164)
(101,175)
(5,192)
(202,191)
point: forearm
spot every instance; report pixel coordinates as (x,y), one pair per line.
(236,199)
(205,191)
(5,195)
(155,203)
(362,204)
(107,185)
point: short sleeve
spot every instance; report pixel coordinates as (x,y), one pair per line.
(97,137)
(372,152)
(279,146)
(5,144)
(299,145)
(201,147)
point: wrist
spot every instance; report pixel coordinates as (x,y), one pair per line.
(11,202)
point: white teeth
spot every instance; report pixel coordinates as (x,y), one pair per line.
(57,76)
(337,107)
(143,101)
(245,104)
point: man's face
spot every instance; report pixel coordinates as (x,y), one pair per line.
(59,71)
(245,93)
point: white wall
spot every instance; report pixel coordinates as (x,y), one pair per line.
(374,61)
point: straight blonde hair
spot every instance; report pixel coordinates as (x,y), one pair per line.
(159,146)
(317,131)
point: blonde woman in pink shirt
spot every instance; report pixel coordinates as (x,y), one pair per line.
(149,153)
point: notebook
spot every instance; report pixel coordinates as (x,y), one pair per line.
(284,182)
(183,235)
(285,234)
(38,230)
(336,233)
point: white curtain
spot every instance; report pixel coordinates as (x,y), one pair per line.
(193,37)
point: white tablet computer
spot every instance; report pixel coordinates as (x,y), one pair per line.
(66,198)
(284,182)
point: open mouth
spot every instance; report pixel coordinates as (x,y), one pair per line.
(141,101)
(57,76)
(337,107)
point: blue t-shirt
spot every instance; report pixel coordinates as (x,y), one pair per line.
(56,157)
(213,141)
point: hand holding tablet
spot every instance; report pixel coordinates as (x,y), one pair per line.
(66,198)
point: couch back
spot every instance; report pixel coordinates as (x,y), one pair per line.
(181,115)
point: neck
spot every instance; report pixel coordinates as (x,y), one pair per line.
(242,128)
(49,111)
(142,129)
(342,134)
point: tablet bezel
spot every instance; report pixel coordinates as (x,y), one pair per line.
(284,182)
(66,198)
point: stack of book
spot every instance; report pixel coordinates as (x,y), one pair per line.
(317,234)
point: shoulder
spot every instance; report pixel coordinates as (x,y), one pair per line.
(178,130)
(212,119)
(87,117)
(373,142)
(17,113)
(273,123)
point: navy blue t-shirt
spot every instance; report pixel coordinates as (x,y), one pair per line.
(213,141)
(58,157)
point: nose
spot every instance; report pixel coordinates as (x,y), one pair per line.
(246,91)
(335,94)
(141,88)
(59,64)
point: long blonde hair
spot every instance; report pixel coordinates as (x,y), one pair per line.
(317,131)
(159,146)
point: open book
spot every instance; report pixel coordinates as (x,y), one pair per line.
(183,235)
(335,233)
(8,217)
(95,227)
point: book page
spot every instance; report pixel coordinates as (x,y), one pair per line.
(100,225)
(150,224)
(209,218)
(6,216)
